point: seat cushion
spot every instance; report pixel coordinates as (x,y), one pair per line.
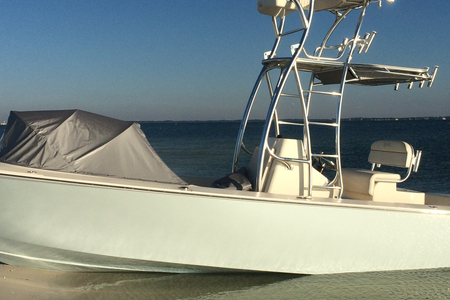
(363,181)
(391,153)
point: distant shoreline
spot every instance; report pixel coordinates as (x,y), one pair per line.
(343,119)
(399,119)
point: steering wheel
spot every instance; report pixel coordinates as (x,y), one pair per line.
(321,164)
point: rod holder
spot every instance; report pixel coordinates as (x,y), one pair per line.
(433,76)
(366,42)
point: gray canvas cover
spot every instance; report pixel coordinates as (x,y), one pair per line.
(82,142)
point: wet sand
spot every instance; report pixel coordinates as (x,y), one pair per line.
(21,283)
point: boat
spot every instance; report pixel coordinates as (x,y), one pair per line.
(83,192)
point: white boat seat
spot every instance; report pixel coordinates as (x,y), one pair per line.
(280,8)
(391,153)
(382,186)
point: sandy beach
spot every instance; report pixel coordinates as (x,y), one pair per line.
(22,283)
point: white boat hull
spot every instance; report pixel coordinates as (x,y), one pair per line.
(75,226)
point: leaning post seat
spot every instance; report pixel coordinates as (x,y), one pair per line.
(280,8)
(391,153)
(382,186)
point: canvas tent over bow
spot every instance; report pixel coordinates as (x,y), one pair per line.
(82,142)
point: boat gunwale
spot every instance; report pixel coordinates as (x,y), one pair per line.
(195,190)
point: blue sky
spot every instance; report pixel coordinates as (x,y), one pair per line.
(192,60)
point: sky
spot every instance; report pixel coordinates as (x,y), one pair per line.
(192,60)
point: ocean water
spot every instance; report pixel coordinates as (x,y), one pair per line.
(205,149)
